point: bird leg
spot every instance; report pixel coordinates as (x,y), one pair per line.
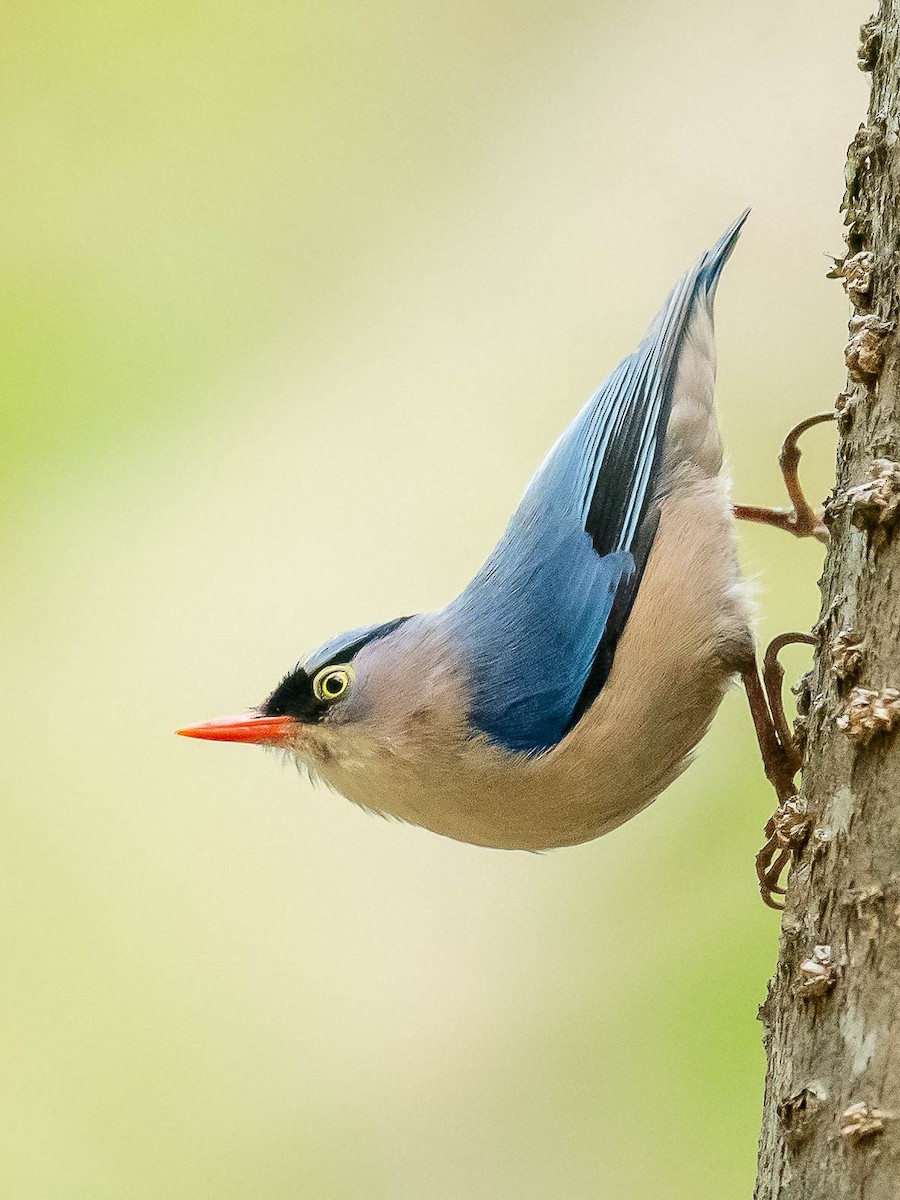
(773,678)
(801,519)
(786,829)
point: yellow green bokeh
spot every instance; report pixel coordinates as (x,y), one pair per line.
(294,298)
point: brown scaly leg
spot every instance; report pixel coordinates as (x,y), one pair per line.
(801,520)
(773,678)
(786,829)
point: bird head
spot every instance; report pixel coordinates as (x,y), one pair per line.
(362,690)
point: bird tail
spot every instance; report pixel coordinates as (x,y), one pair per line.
(711,265)
(693,445)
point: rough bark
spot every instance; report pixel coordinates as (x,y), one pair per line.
(831,1123)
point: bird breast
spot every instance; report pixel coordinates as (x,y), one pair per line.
(687,635)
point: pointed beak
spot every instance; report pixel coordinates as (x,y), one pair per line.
(246,727)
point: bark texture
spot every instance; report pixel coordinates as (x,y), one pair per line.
(831,1124)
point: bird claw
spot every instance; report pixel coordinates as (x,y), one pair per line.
(787,829)
(801,519)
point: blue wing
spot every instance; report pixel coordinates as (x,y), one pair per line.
(539,624)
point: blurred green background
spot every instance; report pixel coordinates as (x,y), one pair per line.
(295,297)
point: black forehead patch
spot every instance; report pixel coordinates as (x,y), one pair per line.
(294,697)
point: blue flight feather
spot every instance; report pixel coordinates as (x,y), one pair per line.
(538,625)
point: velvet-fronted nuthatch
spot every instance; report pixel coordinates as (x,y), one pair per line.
(570,681)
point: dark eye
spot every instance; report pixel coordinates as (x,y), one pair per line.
(332,682)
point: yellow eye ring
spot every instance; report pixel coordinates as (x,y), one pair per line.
(332,683)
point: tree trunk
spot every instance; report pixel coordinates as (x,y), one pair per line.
(831,1122)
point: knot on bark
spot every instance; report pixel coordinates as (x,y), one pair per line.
(875,503)
(800,730)
(866,145)
(845,408)
(870,713)
(870,38)
(864,353)
(861,1121)
(856,275)
(797,1113)
(790,824)
(817,975)
(846,655)
(802,690)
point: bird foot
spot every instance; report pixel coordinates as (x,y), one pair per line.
(787,829)
(801,519)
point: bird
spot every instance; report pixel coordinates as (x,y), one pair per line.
(570,682)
